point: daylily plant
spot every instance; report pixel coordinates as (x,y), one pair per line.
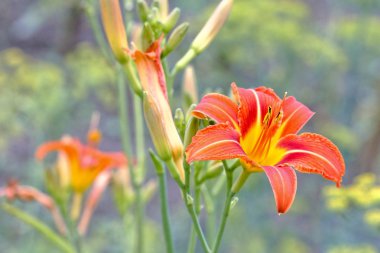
(261,130)
(85,162)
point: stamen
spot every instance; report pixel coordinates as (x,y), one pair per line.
(267,116)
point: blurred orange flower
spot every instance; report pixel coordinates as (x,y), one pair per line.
(85,162)
(14,190)
(261,129)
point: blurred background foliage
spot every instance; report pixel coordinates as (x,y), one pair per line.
(324,52)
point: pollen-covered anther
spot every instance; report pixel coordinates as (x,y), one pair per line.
(267,116)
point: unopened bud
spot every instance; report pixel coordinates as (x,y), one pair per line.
(143,10)
(191,129)
(190,91)
(147,35)
(175,38)
(213,25)
(189,112)
(163,135)
(136,35)
(164,8)
(114,28)
(179,120)
(171,20)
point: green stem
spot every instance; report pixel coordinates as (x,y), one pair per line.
(184,61)
(197,225)
(139,133)
(240,181)
(197,206)
(72,229)
(39,226)
(97,30)
(190,208)
(165,212)
(123,113)
(210,209)
(160,171)
(226,211)
(227,206)
(172,167)
(138,174)
(132,78)
(180,65)
(126,142)
(192,241)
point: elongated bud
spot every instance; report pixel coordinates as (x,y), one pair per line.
(189,112)
(147,35)
(164,8)
(158,128)
(190,91)
(171,20)
(137,35)
(175,38)
(179,120)
(114,28)
(143,10)
(213,25)
(191,129)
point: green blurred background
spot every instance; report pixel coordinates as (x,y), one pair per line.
(326,53)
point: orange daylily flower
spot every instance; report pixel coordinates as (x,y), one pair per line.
(261,129)
(85,162)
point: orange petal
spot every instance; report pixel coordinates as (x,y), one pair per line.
(253,106)
(217,107)
(283,180)
(47,147)
(296,115)
(150,69)
(313,153)
(217,142)
(118,159)
(95,195)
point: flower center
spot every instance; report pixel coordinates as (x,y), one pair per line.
(261,146)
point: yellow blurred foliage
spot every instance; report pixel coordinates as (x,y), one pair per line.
(363,193)
(364,248)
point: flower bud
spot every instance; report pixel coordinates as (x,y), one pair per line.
(147,35)
(114,28)
(164,8)
(136,35)
(175,38)
(190,91)
(171,20)
(191,129)
(179,120)
(162,129)
(143,10)
(213,25)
